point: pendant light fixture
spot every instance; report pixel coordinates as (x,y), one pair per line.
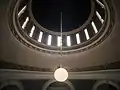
(60,73)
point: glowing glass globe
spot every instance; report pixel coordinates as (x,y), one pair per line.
(61,74)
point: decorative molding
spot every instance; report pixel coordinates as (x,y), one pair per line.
(10,65)
(8,74)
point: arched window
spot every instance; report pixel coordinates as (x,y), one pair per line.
(11,85)
(106,85)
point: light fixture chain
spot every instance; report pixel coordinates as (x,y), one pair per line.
(61,34)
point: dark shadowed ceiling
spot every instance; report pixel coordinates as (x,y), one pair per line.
(48,13)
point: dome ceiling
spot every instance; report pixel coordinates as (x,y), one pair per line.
(13,49)
(96,27)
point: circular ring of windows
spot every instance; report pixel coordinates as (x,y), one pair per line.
(27,30)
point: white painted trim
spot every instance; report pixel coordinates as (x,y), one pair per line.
(6,74)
